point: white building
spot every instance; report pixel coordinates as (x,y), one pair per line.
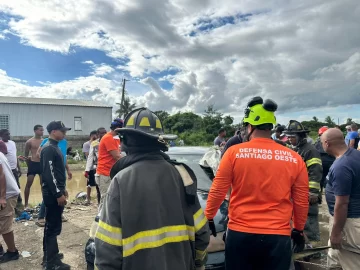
(21,114)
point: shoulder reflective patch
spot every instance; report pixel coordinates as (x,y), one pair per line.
(131,121)
(144,122)
(158,123)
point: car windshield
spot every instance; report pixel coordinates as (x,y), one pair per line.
(192,160)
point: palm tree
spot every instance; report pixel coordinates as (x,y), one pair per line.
(126,108)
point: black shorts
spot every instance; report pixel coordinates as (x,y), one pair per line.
(91,179)
(34,168)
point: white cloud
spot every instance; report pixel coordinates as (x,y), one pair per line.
(303,54)
(88,62)
(102,70)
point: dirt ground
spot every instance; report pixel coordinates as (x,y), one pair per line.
(75,233)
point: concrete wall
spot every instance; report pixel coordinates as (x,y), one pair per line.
(73,141)
(23,117)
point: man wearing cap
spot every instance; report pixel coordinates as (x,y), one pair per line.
(54,194)
(109,153)
(151,217)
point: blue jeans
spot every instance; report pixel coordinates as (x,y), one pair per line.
(42,211)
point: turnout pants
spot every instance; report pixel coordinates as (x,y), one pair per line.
(53,225)
(246,251)
(312,229)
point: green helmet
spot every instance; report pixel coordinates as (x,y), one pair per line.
(259,113)
(145,122)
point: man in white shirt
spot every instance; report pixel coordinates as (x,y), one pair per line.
(9,192)
(12,156)
(86,145)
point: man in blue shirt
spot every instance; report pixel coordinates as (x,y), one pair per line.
(62,145)
(343,199)
(352,136)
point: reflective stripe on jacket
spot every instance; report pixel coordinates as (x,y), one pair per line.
(146,222)
(313,162)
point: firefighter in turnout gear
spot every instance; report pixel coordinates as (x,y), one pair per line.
(151,217)
(297,134)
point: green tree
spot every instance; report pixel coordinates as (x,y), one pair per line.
(163,115)
(315,119)
(212,121)
(126,108)
(181,122)
(228,120)
(349,121)
(329,121)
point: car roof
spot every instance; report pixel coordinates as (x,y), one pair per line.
(187,150)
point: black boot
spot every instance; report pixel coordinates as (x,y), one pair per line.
(60,256)
(57,265)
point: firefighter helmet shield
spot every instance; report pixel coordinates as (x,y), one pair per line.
(295,127)
(259,113)
(145,122)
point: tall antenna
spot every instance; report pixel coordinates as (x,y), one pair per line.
(123,95)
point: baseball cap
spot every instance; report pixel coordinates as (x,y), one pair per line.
(56,125)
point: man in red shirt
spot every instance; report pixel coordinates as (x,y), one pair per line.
(269,185)
(109,153)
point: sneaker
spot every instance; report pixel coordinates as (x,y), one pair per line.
(57,265)
(40,222)
(1,251)
(60,256)
(9,256)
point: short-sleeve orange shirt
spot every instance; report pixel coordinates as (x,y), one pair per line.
(105,160)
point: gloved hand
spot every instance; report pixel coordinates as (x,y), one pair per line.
(86,174)
(298,240)
(212,227)
(313,198)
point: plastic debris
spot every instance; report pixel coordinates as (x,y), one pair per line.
(81,195)
(26,224)
(25,254)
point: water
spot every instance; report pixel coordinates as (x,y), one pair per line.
(73,186)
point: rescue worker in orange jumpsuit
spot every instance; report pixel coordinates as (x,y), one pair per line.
(269,185)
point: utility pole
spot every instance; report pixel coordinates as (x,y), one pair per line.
(123,94)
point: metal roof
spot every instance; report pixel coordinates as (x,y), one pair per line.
(53,101)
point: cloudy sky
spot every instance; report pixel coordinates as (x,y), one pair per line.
(186,54)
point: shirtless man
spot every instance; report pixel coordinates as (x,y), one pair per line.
(33,161)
